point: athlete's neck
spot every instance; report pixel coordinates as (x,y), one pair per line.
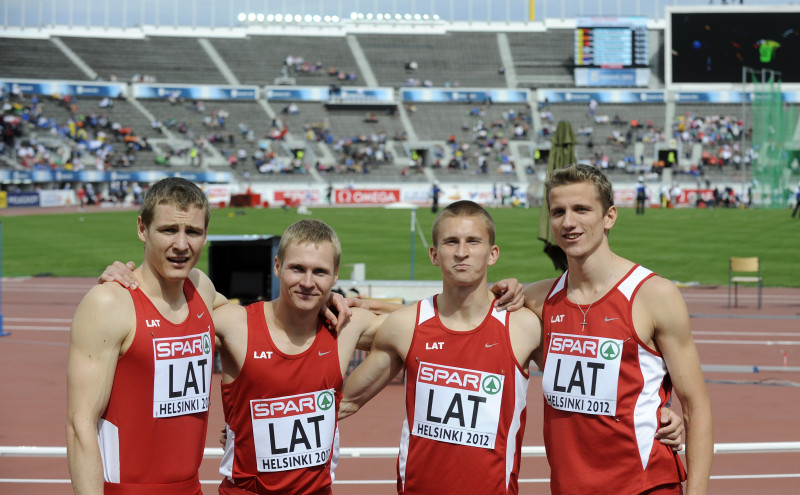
(157,287)
(463,308)
(298,326)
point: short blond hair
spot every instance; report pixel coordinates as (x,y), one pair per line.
(464,208)
(311,231)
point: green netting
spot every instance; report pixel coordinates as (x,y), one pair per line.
(773,131)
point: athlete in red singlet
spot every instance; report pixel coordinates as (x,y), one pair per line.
(465,407)
(613,330)
(281,434)
(171,364)
(139,367)
(466,369)
(282,372)
(602,384)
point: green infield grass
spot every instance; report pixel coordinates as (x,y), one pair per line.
(684,245)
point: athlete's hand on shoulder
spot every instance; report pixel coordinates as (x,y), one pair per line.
(337,312)
(671,432)
(119,272)
(356,302)
(510,294)
(223,437)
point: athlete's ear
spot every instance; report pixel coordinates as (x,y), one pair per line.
(433,255)
(277,268)
(140,228)
(494,253)
(610,218)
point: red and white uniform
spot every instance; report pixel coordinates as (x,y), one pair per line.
(603,391)
(465,408)
(153,432)
(281,415)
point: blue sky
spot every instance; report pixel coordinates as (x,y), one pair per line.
(223,13)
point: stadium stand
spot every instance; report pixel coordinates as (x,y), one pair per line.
(35,58)
(468,60)
(167,59)
(259,59)
(544,59)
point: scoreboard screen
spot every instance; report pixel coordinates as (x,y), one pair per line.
(611,42)
(714,45)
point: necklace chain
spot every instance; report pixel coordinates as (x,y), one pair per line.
(584,313)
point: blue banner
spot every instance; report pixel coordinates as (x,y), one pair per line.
(75,88)
(587,76)
(611,96)
(18,200)
(195,92)
(313,93)
(281,93)
(145,176)
(731,96)
(447,95)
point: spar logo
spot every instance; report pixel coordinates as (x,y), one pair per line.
(325,400)
(491,384)
(181,347)
(574,345)
(451,377)
(285,406)
(609,350)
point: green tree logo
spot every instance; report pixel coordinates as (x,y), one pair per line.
(491,384)
(325,400)
(609,350)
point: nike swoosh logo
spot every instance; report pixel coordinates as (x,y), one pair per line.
(610,319)
(488,345)
(201,315)
(323,353)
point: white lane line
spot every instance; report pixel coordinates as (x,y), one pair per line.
(747,334)
(37,320)
(749,342)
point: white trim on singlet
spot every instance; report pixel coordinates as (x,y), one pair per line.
(426,310)
(628,286)
(520,402)
(559,285)
(108,441)
(645,413)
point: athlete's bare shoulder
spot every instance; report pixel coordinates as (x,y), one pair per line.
(536,293)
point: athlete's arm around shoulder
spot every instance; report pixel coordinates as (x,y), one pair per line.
(525,330)
(102,328)
(536,293)
(230,326)
(205,287)
(660,301)
(213,299)
(363,326)
(385,359)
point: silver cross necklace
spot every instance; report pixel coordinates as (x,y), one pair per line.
(584,313)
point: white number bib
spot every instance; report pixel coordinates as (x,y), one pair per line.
(457,405)
(182,375)
(293,432)
(582,374)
